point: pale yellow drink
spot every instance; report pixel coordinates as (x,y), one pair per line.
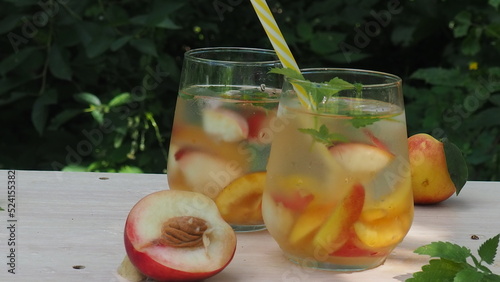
(342,204)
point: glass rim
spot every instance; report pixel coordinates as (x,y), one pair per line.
(395,80)
(193,54)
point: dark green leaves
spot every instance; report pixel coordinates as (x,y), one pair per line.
(58,64)
(453,264)
(457,167)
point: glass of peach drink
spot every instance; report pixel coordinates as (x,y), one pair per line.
(338,193)
(221,133)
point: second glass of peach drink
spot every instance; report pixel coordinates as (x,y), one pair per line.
(221,133)
(338,192)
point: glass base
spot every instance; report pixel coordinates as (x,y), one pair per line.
(248,228)
(348,264)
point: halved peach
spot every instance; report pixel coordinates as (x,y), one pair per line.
(334,232)
(240,202)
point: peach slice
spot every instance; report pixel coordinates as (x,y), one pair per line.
(278,219)
(206,173)
(227,125)
(309,221)
(240,202)
(363,160)
(334,232)
(382,233)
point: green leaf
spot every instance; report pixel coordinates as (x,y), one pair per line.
(445,250)
(494,3)
(12,61)
(40,112)
(130,169)
(63,117)
(463,24)
(304,29)
(440,76)
(471,44)
(98,116)
(120,99)
(145,45)
(9,22)
(58,64)
(87,98)
(488,250)
(468,275)
(324,136)
(118,43)
(495,99)
(441,270)
(1,209)
(457,167)
(362,122)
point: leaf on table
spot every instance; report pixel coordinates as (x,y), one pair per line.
(468,275)
(488,250)
(445,250)
(437,270)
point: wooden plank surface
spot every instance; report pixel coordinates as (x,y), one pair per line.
(70,228)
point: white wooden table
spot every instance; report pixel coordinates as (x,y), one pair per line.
(69,227)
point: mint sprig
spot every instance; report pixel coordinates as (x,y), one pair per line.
(317,92)
(453,262)
(323,135)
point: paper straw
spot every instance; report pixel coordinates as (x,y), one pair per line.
(279,44)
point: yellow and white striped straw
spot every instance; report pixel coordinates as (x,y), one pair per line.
(279,44)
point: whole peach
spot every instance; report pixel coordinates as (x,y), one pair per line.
(431,181)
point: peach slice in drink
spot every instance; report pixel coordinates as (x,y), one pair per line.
(362,160)
(240,202)
(382,233)
(309,221)
(204,172)
(334,233)
(224,124)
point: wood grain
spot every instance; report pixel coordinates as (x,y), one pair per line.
(70,228)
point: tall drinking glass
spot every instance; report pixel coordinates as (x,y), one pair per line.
(338,192)
(220,137)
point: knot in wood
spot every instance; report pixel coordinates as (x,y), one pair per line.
(183,232)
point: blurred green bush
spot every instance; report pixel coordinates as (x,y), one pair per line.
(91,85)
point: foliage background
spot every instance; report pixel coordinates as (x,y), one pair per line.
(91,85)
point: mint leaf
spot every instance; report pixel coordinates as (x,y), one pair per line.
(437,270)
(1,209)
(340,84)
(362,122)
(324,136)
(467,275)
(445,250)
(453,265)
(488,250)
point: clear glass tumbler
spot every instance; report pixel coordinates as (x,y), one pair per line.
(220,138)
(338,194)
